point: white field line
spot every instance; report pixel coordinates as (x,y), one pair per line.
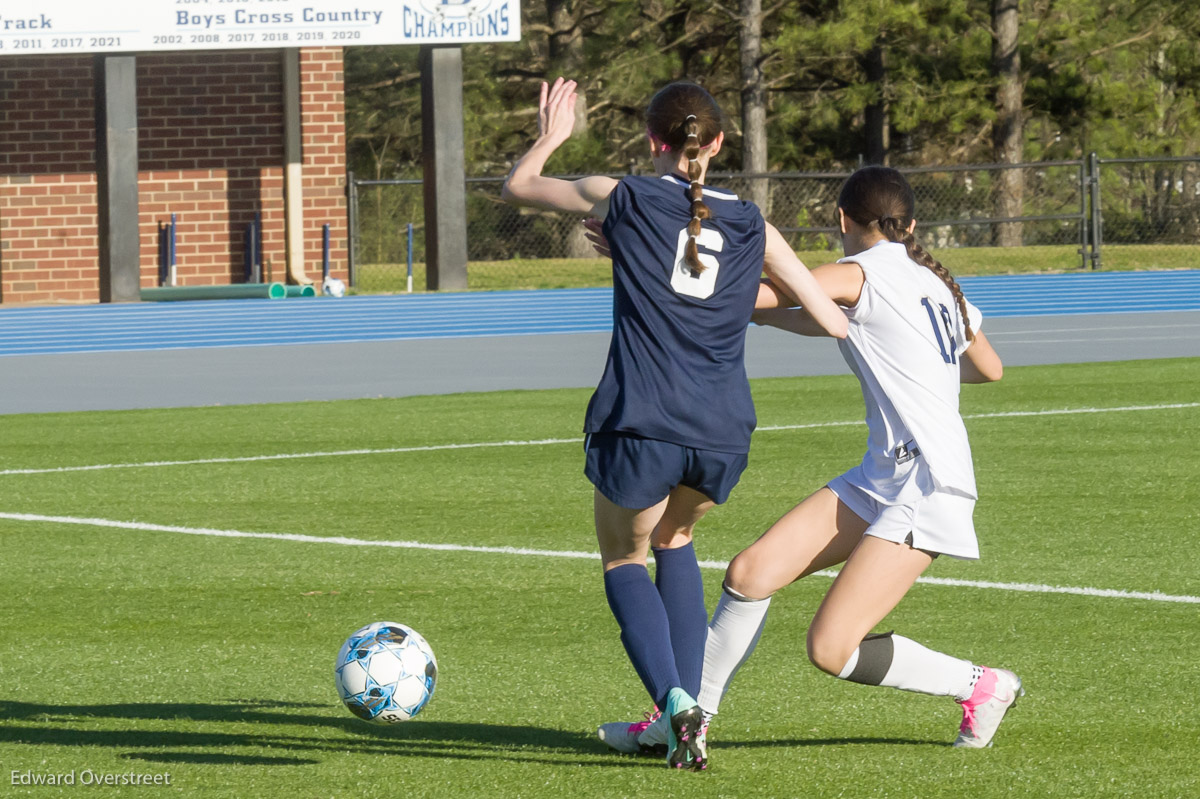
(294,455)
(995,334)
(1050,341)
(1073,411)
(1003,415)
(1105,593)
(540,442)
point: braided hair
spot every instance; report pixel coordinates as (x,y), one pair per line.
(879,198)
(684,116)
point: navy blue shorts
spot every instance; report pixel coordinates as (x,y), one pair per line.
(637,472)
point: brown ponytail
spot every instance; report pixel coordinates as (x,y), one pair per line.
(897,231)
(683,116)
(879,197)
(695,193)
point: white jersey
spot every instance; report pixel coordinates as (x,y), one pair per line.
(905,340)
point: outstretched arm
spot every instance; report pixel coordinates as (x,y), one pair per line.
(796,283)
(527,186)
(793,320)
(841,282)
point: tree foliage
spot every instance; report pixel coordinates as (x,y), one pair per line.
(1121,78)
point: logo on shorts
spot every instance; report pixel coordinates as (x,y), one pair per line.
(906,452)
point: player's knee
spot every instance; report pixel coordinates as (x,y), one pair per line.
(672,537)
(828,652)
(616,563)
(744,577)
(612,557)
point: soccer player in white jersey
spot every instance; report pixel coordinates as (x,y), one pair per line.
(668,428)
(913,338)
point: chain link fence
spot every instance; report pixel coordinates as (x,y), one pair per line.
(1146,212)
(981,219)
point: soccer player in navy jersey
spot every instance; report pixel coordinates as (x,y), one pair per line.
(668,428)
(913,339)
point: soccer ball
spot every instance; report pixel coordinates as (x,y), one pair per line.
(385,673)
(332,287)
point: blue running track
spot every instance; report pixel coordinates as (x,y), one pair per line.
(251,323)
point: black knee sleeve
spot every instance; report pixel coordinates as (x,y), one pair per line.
(874,659)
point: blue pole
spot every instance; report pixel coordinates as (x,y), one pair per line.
(258,252)
(325,251)
(410,246)
(248,253)
(162,253)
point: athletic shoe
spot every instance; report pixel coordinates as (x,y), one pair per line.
(646,737)
(686,733)
(995,692)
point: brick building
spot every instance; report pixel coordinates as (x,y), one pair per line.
(210,150)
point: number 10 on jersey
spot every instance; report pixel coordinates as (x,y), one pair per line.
(949,355)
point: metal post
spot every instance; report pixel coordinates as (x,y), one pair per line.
(1083,215)
(410,245)
(258,247)
(1097,218)
(254,251)
(352,223)
(162,253)
(445,170)
(325,251)
(116,177)
(171,261)
(248,254)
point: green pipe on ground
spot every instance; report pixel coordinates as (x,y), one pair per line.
(300,291)
(274,291)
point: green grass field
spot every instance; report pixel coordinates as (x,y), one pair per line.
(209,658)
(542,273)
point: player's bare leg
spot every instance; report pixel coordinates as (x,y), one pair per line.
(875,578)
(624,533)
(818,533)
(685,508)
(624,536)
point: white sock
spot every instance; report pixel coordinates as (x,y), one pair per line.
(736,626)
(916,668)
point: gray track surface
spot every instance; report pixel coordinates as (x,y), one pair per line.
(290,373)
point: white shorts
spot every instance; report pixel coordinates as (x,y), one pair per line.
(940,522)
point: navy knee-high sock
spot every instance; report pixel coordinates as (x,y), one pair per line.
(645,631)
(677,577)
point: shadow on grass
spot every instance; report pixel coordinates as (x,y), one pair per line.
(216,759)
(791,742)
(243,710)
(159,726)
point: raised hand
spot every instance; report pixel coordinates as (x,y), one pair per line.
(526,185)
(556,110)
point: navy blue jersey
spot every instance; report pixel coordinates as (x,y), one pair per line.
(676,365)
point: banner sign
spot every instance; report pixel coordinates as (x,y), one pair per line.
(47,27)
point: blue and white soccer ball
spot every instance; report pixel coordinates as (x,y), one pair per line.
(386,673)
(332,287)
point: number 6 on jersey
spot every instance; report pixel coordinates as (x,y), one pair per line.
(687,282)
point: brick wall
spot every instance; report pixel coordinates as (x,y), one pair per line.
(324,142)
(48,244)
(210,135)
(210,149)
